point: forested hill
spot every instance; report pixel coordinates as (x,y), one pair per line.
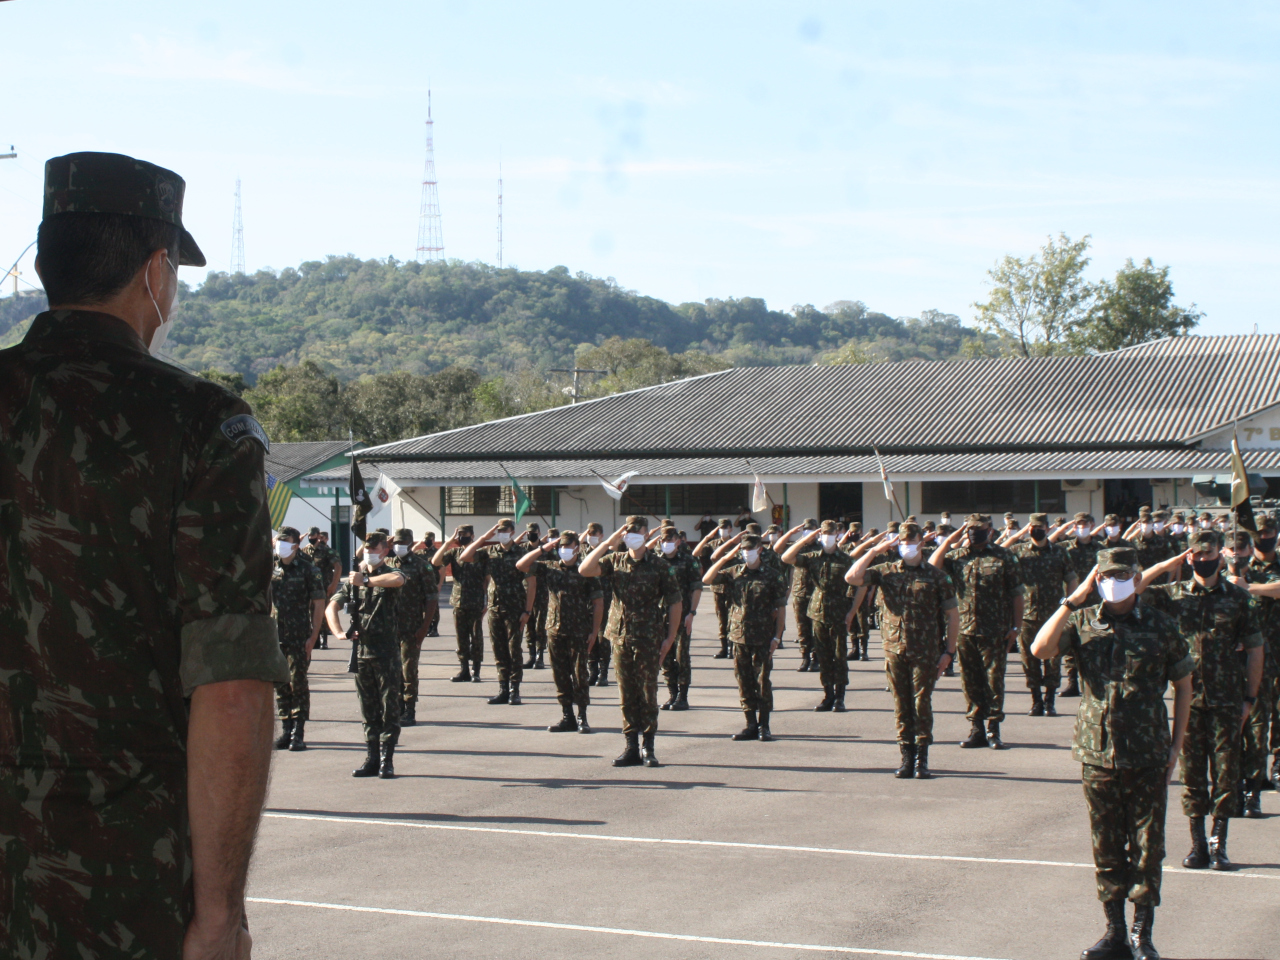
(354,317)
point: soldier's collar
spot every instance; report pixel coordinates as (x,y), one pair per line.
(1197,587)
(71,325)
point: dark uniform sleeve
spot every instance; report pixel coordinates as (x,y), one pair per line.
(946,592)
(595,590)
(1013,576)
(1178,654)
(223,564)
(670,588)
(315,584)
(779,592)
(341,596)
(1251,626)
(723,578)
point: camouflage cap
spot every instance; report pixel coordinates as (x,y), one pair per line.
(1008,515)
(1083,517)
(553,532)
(507,524)
(313,532)
(1266,524)
(463,528)
(284,532)
(1117,560)
(375,539)
(385,531)
(749,542)
(909,530)
(1161,514)
(1039,518)
(1205,540)
(978,518)
(568,538)
(1180,516)
(403,535)
(1243,540)
(636,520)
(1144,510)
(810,523)
(774,528)
(1111,520)
(114,183)
(754,528)
(828,526)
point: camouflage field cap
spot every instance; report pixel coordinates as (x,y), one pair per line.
(1205,540)
(1117,560)
(114,183)
(1039,519)
(404,535)
(978,519)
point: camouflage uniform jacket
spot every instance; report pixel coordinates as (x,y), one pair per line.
(1260,571)
(571,598)
(688,574)
(293,587)
(643,590)
(136,566)
(1125,663)
(468,580)
(708,563)
(1083,556)
(506,583)
(1045,571)
(1217,623)
(379,636)
(986,582)
(325,559)
(755,594)
(829,602)
(420,585)
(1151,550)
(912,603)
(801,582)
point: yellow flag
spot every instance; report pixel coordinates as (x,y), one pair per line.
(1239,479)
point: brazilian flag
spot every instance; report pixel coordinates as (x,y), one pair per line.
(522,500)
(278,497)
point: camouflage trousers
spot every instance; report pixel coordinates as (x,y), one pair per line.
(470,635)
(1254,748)
(804,626)
(723,605)
(379,686)
(569,668)
(752,665)
(831,647)
(1126,822)
(636,666)
(912,682)
(982,665)
(1040,673)
(860,636)
(410,653)
(1270,693)
(535,628)
(293,699)
(677,667)
(504,636)
(1210,762)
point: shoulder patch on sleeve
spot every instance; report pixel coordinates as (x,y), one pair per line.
(242,427)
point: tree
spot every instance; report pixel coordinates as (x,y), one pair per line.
(232,381)
(299,403)
(1135,308)
(384,407)
(1038,304)
(637,363)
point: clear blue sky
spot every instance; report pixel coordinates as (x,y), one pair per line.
(801,153)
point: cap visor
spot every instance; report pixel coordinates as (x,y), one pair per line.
(1112,568)
(189,254)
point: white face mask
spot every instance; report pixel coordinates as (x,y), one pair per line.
(1084,531)
(284,549)
(502,536)
(593,540)
(908,551)
(162,332)
(1113,590)
(1159,526)
(1175,528)
(402,549)
(1113,532)
(669,547)
(828,541)
(634,541)
(567,553)
(751,556)
(1206,524)
(373,559)
(1146,528)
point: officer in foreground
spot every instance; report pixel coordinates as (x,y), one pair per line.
(1127,656)
(139,652)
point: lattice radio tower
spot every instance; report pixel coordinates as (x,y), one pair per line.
(499,214)
(237,236)
(430,241)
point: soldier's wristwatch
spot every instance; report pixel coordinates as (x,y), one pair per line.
(1066,602)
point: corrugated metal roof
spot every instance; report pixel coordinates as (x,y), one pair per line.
(289,460)
(1164,393)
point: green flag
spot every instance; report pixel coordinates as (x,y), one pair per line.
(522,501)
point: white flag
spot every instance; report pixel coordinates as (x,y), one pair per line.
(384,491)
(759,498)
(884,477)
(619,486)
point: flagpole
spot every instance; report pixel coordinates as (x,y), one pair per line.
(527,497)
(622,493)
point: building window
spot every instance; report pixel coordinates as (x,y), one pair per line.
(468,501)
(960,497)
(722,499)
(540,499)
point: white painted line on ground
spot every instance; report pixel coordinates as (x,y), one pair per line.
(741,846)
(618,931)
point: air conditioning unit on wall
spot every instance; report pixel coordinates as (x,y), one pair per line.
(1082,486)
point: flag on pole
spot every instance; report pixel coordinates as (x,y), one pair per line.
(278,497)
(384,491)
(619,486)
(884,477)
(521,499)
(360,502)
(759,496)
(1240,487)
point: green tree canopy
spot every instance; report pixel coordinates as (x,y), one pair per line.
(1137,307)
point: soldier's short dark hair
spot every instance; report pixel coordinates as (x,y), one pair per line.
(287,533)
(90,257)
(313,532)
(553,532)
(375,539)
(908,530)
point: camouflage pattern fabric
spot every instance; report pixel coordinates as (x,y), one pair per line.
(707,563)
(1126,663)
(801,590)
(912,604)
(828,600)
(1210,761)
(677,667)
(831,647)
(136,566)
(506,583)
(420,585)
(571,601)
(504,639)
(1083,557)
(294,586)
(1258,729)
(468,626)
(722,613)
(468,580)
(293,698)
(912,679)
(983,664)
(1151,550)
(1045,571)
(324,558)
(1045,674)
(379,633)
(1126,824)
(752,665)
(636,668)
(755,596)
(568,654)
(379,686)
(986,581)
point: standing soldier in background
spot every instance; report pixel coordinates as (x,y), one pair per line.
(139,653)
(801,591)
(496,550)
(426,549)
(412,621)
(677,665)
(758,612)
(1216,619)
(916,600)
(642,586)
(536,626)
(325,560)
(1082,550)
(1147,537)
(713,541)
(297,594)
(598,656)
(828,605)
(371,594)
(1127,656)
(991,598)
(1046,570)
(467,599)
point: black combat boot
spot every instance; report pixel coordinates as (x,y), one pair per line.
(540,662)
(766,734)
(387,769)
(604,674)
(804,664)
(922,762)
(370,766)
(286,734)
(752,730)
(907,768)
(1049,709)
(528,664)
(647,752)
(593,673)
(1114,944)
(673,688)
(504,693)
(1253,801)
(977,736)
(583,726)
(408,714)
(837,704)
(566,725)
(1218,845)
(682,698)
(299,741)
(630,757)
(1144,918)
(724,649)
(1037,703)
(1073,684)
(866,652)
(993,735)
(463,675)
(1198,858)
(951,668)
(475,671)
(514,698)
(1275,772)
(828,700)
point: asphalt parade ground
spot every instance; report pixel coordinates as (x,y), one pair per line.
(501,840)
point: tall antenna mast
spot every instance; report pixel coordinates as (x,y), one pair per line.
(499,214)
(430,241)
(237,236)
